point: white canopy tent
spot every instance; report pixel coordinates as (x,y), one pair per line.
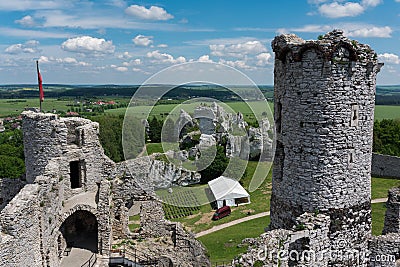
(228,192)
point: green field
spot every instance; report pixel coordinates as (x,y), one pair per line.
(16,106)
(163,110)
(381,112)
(223,244)
(387,112)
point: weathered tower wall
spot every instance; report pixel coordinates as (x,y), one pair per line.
(324,114)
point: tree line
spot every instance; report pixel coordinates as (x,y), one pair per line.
(386,141)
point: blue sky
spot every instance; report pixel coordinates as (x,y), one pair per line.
(125,42)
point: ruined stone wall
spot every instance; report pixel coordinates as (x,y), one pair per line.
(9,188)
(392,216)
(20,231)
(385,166)
(324,114)
(385,251)
(47,137)
(152,220)
(306,244)
(44,138)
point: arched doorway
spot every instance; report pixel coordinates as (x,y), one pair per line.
(80,230)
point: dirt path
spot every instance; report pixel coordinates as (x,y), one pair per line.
(255,216)
(222,226)
(379,200)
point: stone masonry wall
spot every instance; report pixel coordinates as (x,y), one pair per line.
(385,166)
(9,188)
(392,216)
(385,251)
(306,244)
(324,114)
(20,230)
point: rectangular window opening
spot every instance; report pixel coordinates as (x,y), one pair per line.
(75,174)
(354,115)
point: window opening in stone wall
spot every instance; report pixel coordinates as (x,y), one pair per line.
(280,158)
(351,158)
(278,117)
(75,174)
(354,115)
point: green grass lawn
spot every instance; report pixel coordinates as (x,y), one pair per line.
(378,218)
(16,106)
(154,148)
(380,187)
(223,244)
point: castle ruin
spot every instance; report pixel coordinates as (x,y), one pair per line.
(321,186)
(75,196)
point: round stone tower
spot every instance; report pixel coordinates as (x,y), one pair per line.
(324,116)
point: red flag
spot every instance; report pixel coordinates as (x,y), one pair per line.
(40,82)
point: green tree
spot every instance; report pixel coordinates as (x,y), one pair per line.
(387,137)
(111,136)
(168,131)
(155,127)
(11,167)
(217,167)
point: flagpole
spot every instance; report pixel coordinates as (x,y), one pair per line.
(40,100)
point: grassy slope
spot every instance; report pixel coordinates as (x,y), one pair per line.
(260,202)
(222,245)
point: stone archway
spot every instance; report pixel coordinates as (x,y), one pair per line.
(80,230)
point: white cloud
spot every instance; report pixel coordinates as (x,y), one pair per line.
(205,58)
(44,59)
(389,58)
(162,45)
(238,50)
(340,9)
(157,57)
(263,59)
(121,69)
(350,29)
(125,55)
(88,45)
(27,47)
(64,61)
(134,62)
(336,10)
(26,21)
(152,13)
(236,64)
(380,32)
(21,5)
(142,40)
(5,31)
(371,3)
(118,3)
